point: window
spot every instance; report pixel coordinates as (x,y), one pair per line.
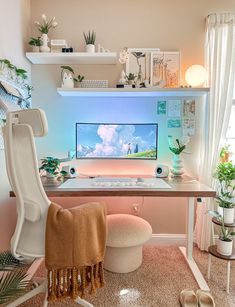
(230,138)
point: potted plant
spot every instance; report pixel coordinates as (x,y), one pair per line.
(35,43)
(225,241)
(44,29)
(225,175)
(90,41)
(130,78)
(51,165)
(225,154)
(177,147)
(79,80)
(67,80)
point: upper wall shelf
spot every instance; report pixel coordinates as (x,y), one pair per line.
(132,92)
(72,58)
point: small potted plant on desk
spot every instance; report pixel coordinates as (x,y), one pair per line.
(51,165)
(225,175)
(177,147)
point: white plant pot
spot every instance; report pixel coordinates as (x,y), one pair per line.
(67,81)
(90,48)
(49,175)
(227,214)
(35,48)
(45,41)
(225,247)
(177,166)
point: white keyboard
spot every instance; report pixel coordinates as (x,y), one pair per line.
(114,182)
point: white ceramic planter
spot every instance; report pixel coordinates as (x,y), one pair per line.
(90,48)
(177,166)
(67,81)
(225,247)
(227,214)
(35,48)
(49,175)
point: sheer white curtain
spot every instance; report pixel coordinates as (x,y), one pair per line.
(220,64)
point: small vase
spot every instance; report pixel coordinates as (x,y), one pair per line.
(45,40)
(225,247)
(177,166)
(90,48)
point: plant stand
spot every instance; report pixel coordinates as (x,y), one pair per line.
(213,252)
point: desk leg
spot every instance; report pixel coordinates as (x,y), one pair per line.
(188,251)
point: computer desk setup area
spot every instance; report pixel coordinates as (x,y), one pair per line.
(184,187)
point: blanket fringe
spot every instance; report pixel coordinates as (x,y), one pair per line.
(72,282)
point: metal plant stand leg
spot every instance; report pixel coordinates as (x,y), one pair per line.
(228,277)
(209,267)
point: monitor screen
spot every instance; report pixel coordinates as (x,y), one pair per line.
(116,141)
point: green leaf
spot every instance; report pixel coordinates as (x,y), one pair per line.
(65,67)
(213,213)
(12,284)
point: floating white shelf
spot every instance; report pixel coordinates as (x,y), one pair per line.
(72,58)
(132,92)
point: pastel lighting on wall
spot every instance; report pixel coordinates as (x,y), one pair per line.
(195,75)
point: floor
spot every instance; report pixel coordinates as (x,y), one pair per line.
(157,283)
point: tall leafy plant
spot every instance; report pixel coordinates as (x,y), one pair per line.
(13,281)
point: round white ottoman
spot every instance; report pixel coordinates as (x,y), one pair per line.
(126,236)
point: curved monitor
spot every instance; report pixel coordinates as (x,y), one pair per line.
(116,141)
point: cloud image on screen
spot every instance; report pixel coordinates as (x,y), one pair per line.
(120,141)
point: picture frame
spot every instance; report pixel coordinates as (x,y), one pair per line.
(144,60)
(165,69)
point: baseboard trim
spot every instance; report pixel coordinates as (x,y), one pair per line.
(164,239)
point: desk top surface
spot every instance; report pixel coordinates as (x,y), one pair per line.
(179,187)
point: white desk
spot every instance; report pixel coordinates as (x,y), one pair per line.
(180,187)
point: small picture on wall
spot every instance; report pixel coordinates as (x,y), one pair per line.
(161,107)
(174,123)
(139,62)
(189,108)
(165,69)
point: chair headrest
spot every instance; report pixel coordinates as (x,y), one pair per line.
(36,118)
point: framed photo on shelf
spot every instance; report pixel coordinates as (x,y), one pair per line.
(139,62)
(165,69)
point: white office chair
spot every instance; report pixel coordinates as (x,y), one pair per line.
(28,241)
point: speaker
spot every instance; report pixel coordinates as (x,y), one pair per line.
(161,171)
(70,170)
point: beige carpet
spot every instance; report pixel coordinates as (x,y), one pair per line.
(157,283)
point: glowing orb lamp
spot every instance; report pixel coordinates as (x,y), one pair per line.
(195,75)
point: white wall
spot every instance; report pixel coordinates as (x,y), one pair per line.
(14,32)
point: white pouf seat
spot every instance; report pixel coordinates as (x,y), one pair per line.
(124,248)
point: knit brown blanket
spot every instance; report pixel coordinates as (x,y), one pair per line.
(75,246)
